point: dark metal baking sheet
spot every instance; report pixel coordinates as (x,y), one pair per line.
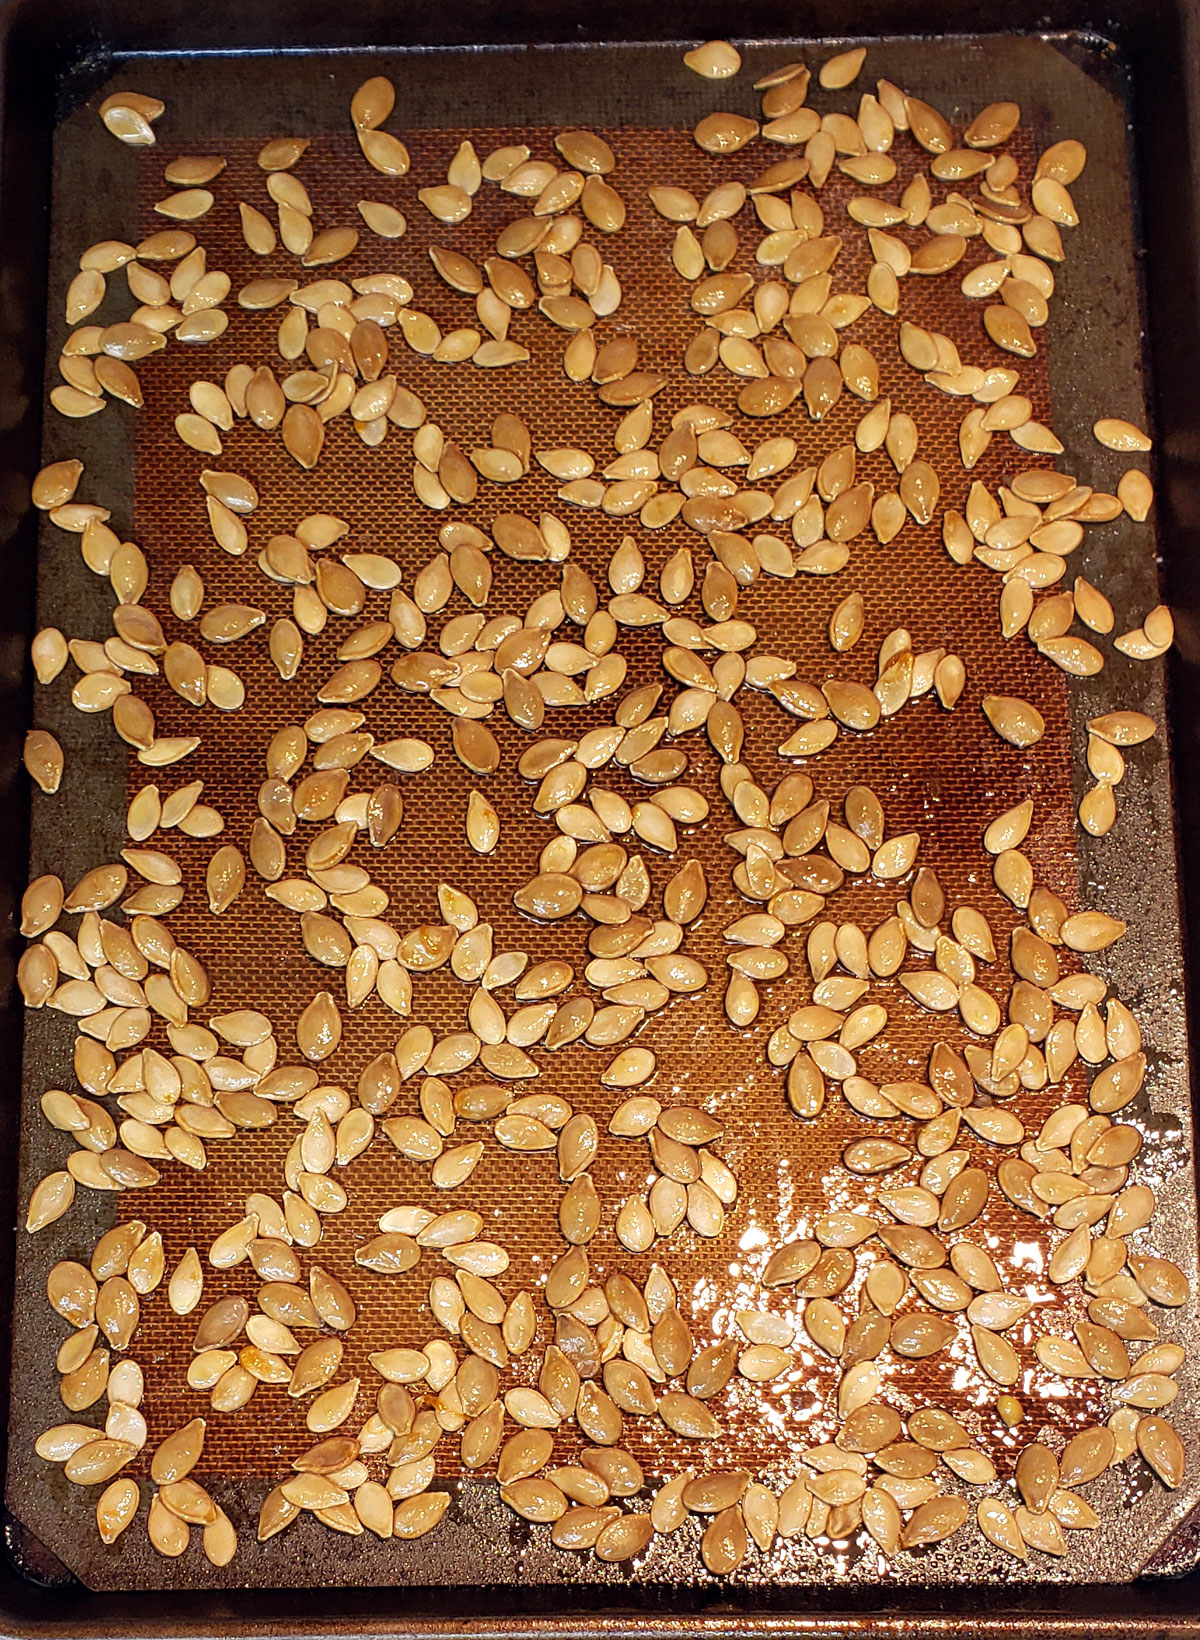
(1103,79)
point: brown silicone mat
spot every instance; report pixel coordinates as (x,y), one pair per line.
(935,772)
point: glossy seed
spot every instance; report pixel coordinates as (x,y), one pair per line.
(1014,720)
(716,60)
(1115,434)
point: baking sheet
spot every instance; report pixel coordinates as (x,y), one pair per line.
(923,762)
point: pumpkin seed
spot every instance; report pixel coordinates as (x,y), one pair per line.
(715,60)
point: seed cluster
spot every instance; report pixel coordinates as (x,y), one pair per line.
(900,1279)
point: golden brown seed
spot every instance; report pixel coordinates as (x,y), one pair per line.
(1115,434)
(841,70)
(1162,1449)
(624,1538)
(724,133)
(934,1521)
(51,1198)
(716,60)
(723,1544)
(999,1525)
(1014,720)
(43,759)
